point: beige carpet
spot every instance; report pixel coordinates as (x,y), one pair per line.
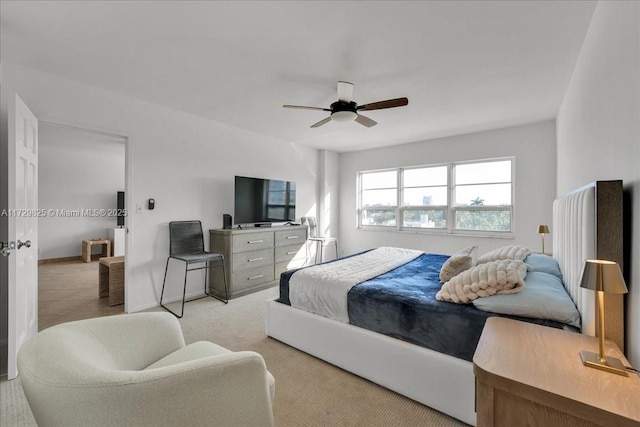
(309,392)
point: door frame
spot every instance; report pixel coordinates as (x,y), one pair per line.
(128,186)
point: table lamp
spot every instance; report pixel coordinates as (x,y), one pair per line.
(542,230)
(602,276)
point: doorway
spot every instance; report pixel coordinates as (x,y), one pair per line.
(81,172)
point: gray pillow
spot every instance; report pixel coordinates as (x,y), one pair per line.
(543,264)
(543,297)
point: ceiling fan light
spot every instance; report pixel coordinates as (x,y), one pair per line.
(344,116)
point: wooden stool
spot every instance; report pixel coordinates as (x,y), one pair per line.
(111,279)
(86,248)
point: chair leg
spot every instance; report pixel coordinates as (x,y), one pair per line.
(184,290)
(224,278)
(166,267)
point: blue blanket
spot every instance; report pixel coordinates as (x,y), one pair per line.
(402,304)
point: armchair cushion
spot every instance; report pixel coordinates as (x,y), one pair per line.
(92,373)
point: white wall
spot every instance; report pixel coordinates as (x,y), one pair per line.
(329,194)
(533,147)
(77,170)
(186,163)
(599,128)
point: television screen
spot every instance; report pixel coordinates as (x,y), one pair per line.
(260,200)
(120,209)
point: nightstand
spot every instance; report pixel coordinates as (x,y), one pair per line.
(532,375)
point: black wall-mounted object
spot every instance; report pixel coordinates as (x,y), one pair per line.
(120,209)
(226,221)
(151,204)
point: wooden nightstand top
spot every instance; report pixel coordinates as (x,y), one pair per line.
(542,364)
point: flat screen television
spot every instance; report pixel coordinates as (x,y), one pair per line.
(120,209)
(263,201)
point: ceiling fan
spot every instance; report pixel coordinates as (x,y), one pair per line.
(344,109)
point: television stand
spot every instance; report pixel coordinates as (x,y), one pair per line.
(255,257)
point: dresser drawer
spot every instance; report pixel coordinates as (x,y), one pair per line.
(281,267)
(254,277)
(287,253)
(252,259)
(290,237)
(252,241)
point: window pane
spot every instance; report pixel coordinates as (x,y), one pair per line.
(483,220)
(422,177)
(483,195)
(386,179)
(378,217)
(483,172)
(427,196)
(379,198)
(425,218)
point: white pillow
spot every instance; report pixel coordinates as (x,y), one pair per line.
(457,263)
(505,276)
(505,252)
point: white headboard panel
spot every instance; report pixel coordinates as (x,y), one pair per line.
(588,223)
(574,240)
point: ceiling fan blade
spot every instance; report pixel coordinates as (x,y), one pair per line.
(365,121)
(321,122)
(306,108)
(345,91)
(389,103)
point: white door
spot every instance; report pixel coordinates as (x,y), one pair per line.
(23,229)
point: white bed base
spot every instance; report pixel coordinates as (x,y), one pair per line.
(437,380)
(587,223)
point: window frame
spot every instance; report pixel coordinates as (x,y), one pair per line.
(450,209)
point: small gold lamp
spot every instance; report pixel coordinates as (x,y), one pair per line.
(542,230)
(602,276)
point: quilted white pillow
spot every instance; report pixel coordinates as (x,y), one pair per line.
(457,263)
(505,276)
(505,252)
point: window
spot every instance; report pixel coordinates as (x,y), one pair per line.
(424,197)
(379,198)
(482,198)
(455,197)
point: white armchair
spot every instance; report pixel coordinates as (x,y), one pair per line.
(135,370)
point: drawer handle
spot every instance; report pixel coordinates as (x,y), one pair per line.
(292,252)
(255,241)
(292,237)
(256,277)
(256,259)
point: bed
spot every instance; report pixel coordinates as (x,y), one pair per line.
(587,224)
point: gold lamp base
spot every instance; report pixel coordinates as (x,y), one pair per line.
(612,364)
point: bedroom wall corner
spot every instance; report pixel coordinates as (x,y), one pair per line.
(329,194)
(598,130)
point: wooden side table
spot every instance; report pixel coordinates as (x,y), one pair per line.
(111,279)
(532,375)
(87,244)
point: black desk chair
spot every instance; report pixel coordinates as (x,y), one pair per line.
(186,244)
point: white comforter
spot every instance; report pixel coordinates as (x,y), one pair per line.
(322,289)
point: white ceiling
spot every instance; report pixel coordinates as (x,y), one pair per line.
(465,66)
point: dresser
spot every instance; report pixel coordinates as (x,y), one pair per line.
(532,375)
(255,257)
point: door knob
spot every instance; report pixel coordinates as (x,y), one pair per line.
(4,249)
(25,243)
